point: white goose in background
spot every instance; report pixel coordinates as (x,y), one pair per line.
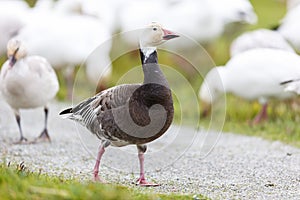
(106,11)
(68,6)
(260,38)
(206,18)
(131,114)
(67,40)
(291,4)
(12,15)
(27,82)
(231,11)
(43,5)
(292,85)
(256,74)
(290,27)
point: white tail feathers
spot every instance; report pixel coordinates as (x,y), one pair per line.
(292,86)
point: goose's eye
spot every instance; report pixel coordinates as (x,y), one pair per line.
(155,29)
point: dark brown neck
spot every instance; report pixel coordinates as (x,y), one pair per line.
(151,58)
(151,69)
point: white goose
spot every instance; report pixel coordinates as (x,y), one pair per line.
(27,82)
(131,113)
(106,11)
(291,4)
(260,38)
(12,15)
(290,27)
(292,85)
(68,40)
(254,75)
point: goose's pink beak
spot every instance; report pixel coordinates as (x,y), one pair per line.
(169,35)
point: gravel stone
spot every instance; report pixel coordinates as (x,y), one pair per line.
(238,167)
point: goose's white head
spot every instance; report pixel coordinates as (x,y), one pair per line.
(15,51)
(154,35)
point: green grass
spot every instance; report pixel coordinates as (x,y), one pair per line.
(282,124)
(269,12)
(17,182)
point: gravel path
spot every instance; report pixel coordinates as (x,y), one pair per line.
(238,167)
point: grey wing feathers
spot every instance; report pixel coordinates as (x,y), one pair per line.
(114,97)
(86,112)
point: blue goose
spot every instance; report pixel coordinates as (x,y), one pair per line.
(131,113)
(27,82)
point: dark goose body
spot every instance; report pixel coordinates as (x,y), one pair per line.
(129,113)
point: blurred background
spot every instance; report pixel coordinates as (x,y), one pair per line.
(67,32)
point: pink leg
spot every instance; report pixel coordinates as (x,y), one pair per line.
(142,181)
(262,115)
(96,168)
